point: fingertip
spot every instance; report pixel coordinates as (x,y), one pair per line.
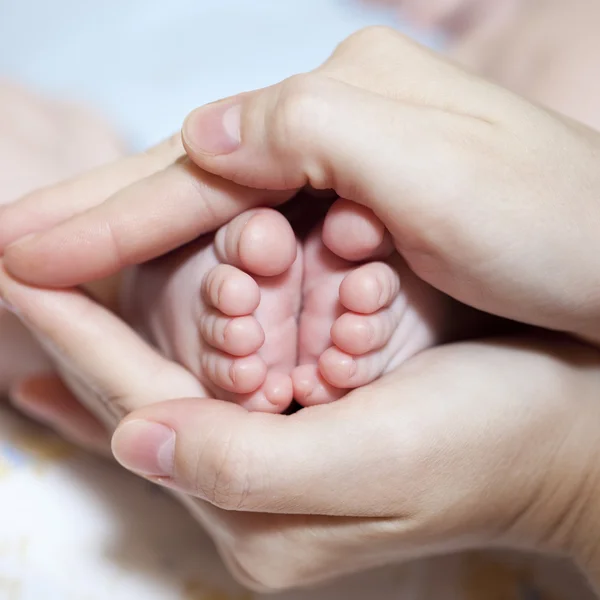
(17,256)
(46,399)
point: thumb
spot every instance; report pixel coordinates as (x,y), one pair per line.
(430,453)
(315,130)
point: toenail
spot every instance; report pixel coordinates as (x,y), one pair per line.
(232,374)
(349,364)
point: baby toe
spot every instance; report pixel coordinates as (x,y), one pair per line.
(275,395)
(236,375)
(231,291)
(239,336)
(260,241)
(278,390)
(345,371)
(370,288)
(354,233)
(357,334)
(310,389)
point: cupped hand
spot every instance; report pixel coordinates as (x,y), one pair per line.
(468,445)
(42,141)
(489,198)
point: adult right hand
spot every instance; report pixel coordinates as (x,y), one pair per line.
(489,198)
(479,444)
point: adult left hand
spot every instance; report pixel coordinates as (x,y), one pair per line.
(43,141)
(476,444)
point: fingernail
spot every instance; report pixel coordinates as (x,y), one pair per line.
(145,448)
(214,129)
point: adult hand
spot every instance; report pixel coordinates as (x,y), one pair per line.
(484,443)
(42,141)
(142,206)
(489,198)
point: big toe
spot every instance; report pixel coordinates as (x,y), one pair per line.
(353,232)
(260,241)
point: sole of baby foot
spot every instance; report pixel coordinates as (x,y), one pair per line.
(359,322)
(390,316)
(252,348)
(324,272)
(226,308)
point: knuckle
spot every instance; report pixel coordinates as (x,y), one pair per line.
(221,473)
(171,147)
(375,38)
(300,108)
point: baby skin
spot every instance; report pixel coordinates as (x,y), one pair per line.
(262,319)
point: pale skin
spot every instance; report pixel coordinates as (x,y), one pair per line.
(425,229)
(502,400)
(44,141)
(244,292)
(344,339)
(355,324)
(230,458)
(545,50)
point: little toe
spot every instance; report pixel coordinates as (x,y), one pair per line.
(236,375)
(260,241)
(231,291)
(278,390)
(345,371)
(238,336)
(370,288)
(311,389)
(275,395)
(354,233)
(358,334)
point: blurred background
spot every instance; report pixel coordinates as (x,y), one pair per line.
(146,63)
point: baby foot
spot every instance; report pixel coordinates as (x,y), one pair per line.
(358,323)
(226,308)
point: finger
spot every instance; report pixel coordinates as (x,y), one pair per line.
(45,208)
(47,400)
(297,134)
(97,349)
(417,440)
(145,220)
